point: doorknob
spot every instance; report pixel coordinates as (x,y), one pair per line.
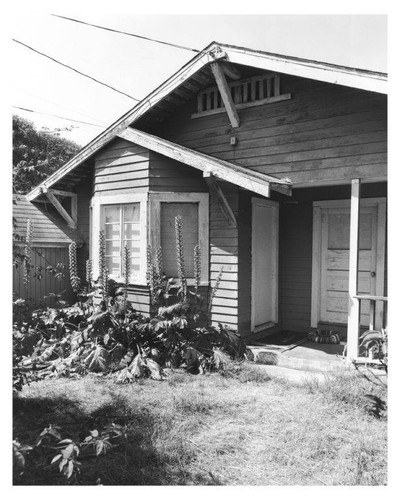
(373,274)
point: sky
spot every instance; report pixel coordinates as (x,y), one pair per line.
(136,66)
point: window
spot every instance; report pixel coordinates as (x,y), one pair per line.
(121,224)
(123,219)
(193,208)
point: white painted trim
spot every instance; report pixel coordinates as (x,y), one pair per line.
(100,200)
(275,259)
(316,267)
(155,200)
(380,263)
(315,70)
(353,321)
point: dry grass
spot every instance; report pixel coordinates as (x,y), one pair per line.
(242,429)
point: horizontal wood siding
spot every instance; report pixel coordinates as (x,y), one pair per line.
(139,296)
(167,175)
(37,289)
(224,253)
(122,167)
(49,228)
(324,133)
(295,265)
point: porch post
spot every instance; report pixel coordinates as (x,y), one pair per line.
(353,321)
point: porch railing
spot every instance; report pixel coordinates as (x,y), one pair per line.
(376,320)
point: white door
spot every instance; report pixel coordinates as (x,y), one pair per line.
(334,259)
(265,217)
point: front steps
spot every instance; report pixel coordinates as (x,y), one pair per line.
(307,357)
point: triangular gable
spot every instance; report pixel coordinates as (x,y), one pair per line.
(341,75)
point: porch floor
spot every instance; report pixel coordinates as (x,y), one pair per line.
(293,350)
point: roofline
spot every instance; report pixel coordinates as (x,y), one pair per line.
(331,73)
(191,67)
(254,181)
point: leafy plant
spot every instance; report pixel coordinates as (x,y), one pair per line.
(111,336)
(68,450)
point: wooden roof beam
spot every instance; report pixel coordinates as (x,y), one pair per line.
(230,71)
(71,220)
(226,96)
(241,176)
(222,201)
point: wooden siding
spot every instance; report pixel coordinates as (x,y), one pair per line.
(38,289)
(325,133)
(224,253)
(122,167)
(139,296)
(169,175)
(47,228)
(295,266)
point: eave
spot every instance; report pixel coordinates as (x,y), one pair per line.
(253,181)
(340,75)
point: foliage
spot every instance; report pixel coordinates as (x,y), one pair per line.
(50,440)
(111,337)
(36,154)
(73,269)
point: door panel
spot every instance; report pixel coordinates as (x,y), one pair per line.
(335,261)
(264,263)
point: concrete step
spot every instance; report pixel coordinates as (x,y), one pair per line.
(299,358)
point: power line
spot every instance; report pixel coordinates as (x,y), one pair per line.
(127,33)
(55,104)
(56,116)
(75,70)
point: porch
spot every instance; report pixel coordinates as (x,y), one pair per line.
(332,276)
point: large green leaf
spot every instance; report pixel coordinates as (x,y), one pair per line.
(155,369)
(97,361)
(137,367)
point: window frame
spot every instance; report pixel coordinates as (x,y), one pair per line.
(202,199)
(98,204)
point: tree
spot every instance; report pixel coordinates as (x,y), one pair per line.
(36,154)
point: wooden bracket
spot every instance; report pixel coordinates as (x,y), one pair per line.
(222,201)
(226,96)
(70,219)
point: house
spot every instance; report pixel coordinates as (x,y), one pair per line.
(49,243)
(278,166)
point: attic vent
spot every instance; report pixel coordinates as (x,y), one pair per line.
(245,93)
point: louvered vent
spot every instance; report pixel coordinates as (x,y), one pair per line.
(245,93)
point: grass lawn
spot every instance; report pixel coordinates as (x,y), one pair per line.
(246,429)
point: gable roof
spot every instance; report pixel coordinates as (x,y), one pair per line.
(326,72)
(47,230)
(253,181)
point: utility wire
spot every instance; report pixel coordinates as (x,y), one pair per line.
(75,70)
(127,33)
(55,104)
(56,116)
